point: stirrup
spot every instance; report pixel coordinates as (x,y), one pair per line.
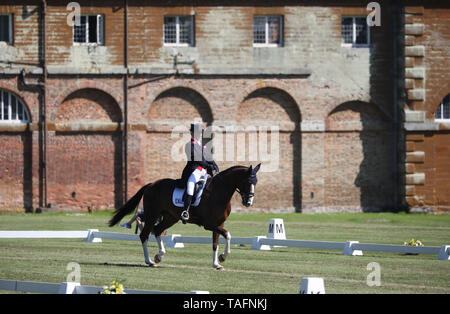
(185,216)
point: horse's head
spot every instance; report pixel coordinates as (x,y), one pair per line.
(247,187)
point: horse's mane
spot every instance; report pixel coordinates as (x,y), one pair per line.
(227,171)
(232,168)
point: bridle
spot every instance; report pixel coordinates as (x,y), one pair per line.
(246,196)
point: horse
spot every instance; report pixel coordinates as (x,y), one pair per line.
(211,213)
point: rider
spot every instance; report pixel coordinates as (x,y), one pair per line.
(199,163)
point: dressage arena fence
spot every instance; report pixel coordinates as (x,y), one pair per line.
(353,248)
(72,288)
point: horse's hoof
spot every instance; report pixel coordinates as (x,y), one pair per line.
(157,258)
(219,267)
(150,264)
(221,258)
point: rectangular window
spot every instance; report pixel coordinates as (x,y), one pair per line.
(355,32)
(443,110)
(6,28)
(179,30)
(90,31)
(267,31)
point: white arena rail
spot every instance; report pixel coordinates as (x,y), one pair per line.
(258,242)
(43,234)
(303,243)
(72,288)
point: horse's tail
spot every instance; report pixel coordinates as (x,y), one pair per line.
(128,208)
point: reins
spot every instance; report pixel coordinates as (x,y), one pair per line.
(250,194)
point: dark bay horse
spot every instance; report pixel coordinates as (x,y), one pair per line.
(211,213)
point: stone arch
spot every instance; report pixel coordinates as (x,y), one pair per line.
(85,160)
(445,100)
(436,99)
(359,160)
(263,84)
(269,103)
(180,104)
(16,175)
(271,114)
(88,104)
(7,95)
(169,116)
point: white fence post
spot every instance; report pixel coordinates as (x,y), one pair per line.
(257,245)
(171,242)
(349,250)
(312,285)
(91,236)
(68,287)
(444,253)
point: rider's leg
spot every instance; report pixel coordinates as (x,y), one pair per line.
(130,222)
(188,198)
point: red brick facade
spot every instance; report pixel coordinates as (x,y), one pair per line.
(342,145)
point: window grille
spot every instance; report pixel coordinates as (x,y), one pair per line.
(355,32)
(90,31)
(267,31)
(443,110)
(179,30)
(12,109)
(6,28)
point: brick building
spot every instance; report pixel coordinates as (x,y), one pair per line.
(360,114)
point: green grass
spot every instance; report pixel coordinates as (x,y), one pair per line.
(246,271)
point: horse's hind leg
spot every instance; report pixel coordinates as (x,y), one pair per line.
(144,240)
(167,222)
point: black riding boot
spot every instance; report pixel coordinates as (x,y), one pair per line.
(187,205)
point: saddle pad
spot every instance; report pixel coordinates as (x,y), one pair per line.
(177,197)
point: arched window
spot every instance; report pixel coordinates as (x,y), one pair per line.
(443,110)
(12,109)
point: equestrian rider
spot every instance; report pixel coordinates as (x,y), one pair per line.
(199,163)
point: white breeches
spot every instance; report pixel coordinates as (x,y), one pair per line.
(193,179)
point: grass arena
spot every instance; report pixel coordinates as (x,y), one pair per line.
(247,271)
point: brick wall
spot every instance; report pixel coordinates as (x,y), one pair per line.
(332,104)
(427,82)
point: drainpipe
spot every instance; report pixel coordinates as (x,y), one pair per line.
(125,103)
(395,16)
(44,100)
(43,112)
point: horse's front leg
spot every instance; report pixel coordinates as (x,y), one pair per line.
(162,250)
(227,251)
(216,264)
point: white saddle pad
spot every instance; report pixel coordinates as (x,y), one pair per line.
(177,197)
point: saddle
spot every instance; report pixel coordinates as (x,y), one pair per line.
(179,193)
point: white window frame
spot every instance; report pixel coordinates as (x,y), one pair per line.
(100,31)
(441,105)
(18,103)
(11,30)
(267,44)
(177,32)
(354,44)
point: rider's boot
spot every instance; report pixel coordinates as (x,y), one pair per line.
(187,205)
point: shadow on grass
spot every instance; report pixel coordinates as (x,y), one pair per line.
(119,265)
